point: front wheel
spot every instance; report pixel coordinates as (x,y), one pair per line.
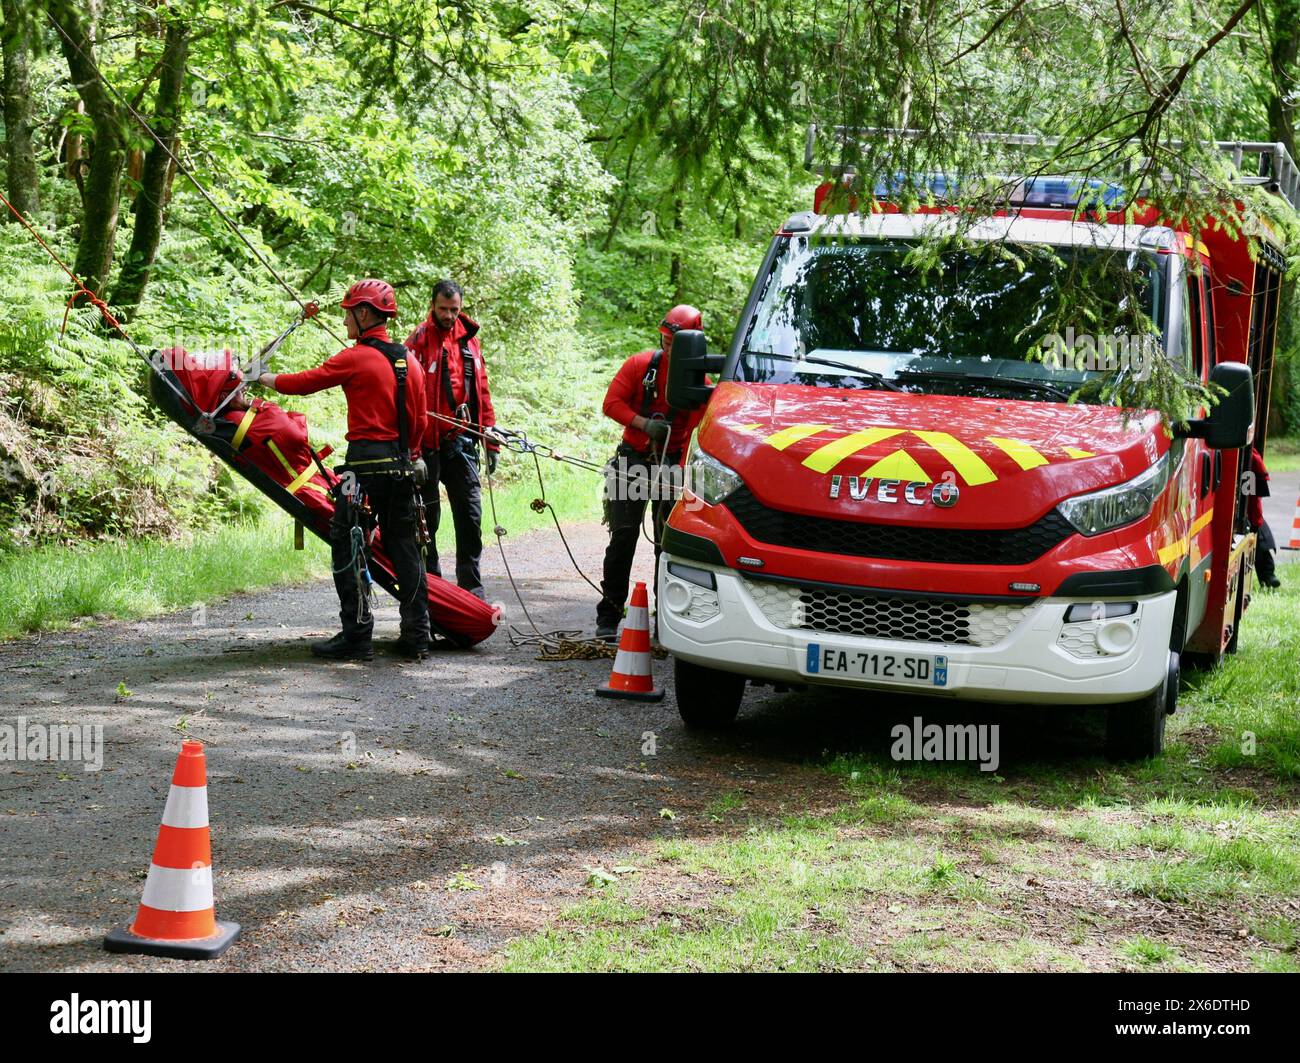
(1135,730)
(707,699)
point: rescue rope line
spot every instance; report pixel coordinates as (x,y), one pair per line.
(518,443)
(94,299)
(90,59)
(560,644)
(655,486)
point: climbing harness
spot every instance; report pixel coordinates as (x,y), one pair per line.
(360,534)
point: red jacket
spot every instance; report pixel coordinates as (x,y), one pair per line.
(624,399)
(1255,500)
(367,379)
(442,354)
(275,441)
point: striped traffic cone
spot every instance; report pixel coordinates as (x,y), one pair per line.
(1294,544)
(177,916)
(630,677)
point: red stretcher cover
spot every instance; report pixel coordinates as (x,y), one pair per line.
(269,447)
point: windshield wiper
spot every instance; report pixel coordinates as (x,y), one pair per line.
(989,378)
(856,370)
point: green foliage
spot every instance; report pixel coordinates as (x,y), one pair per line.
(578,169)
(338,160)
(81,452)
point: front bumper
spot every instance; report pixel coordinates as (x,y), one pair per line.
(1025,651)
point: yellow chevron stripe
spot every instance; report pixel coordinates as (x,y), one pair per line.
(1174,551)
(969,465)
(823,459)
(782,439)
(1021,453)
(1075,452)
(900,465)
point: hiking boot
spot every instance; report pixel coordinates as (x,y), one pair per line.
(341,648)
(606,632)
(412,651)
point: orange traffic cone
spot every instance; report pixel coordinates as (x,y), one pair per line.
(630,677)
(177,916)
(1294,544)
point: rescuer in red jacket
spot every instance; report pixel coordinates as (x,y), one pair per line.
(384,460)
(447,346)
(654,439)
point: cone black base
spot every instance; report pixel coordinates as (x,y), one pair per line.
(122,940)
(631,695)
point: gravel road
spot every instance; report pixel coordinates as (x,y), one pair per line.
(345,798)
(388,815)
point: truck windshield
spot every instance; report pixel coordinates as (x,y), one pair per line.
(978,321)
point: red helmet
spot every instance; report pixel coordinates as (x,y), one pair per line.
(680,317)
(373,293)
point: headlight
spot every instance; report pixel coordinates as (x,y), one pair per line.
(1113,507)
(708,478)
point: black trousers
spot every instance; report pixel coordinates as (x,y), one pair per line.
(455,465)
(392,501)
(1265,566)
(628,492)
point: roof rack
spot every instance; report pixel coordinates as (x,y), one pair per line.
(1272,165)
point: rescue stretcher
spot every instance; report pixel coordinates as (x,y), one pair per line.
(268,446)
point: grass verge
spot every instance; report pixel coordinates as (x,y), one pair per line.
(1284,454)
(49,587)
(1059,860)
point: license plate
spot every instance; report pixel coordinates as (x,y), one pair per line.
(922,669)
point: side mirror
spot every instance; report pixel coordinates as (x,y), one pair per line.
(1231,423)
(688,366)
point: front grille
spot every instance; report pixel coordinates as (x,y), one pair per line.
(841,612)
(1080,639)
(954,546)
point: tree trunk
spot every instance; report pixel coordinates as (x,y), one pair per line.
(22,177)
(72,156)
(1284,52)
(151,201)
(675,267)
(103,184)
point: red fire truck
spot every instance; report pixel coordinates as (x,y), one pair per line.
(887,493)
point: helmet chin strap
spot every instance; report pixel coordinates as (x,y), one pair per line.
(377,319)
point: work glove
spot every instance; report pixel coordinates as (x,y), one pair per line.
(492,456)
(421,472)
(658,431)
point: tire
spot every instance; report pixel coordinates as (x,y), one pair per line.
(1135,730)
(707,699)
